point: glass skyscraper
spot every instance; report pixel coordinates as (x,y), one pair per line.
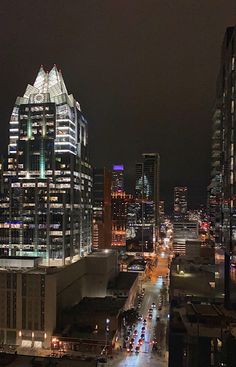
(145,232)
(46,207)
(117,178)
(180,203)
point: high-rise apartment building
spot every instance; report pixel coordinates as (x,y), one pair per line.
(222,189)
(117,178)
(180,202)
(101,208)
(46,210)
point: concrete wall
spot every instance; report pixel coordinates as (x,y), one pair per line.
(99,271)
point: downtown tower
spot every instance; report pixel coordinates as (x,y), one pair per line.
(46,207)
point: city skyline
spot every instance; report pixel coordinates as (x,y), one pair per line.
(131,95)
(118,202)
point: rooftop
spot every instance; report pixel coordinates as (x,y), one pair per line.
(124,280)
(203,319)
(89,305)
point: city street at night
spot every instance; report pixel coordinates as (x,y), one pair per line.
(155,330)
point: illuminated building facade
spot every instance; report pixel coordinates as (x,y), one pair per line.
(120,201)
(162,210)
(117,178)
(46,210)
(180,203)
(147,199)
(223,183)
(101,208)
(215,187)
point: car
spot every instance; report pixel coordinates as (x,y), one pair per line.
(137,349)
(140,317)
(158,318)
(150,310)
(124,345)
(140,341)
(135,333)
(127,338)
(143,328)
(150,316)
(139,305)
(128,333)
(102,359)
(144,321)
(153,305)
(159,307)
(130,348)
(142,336)
(132,341)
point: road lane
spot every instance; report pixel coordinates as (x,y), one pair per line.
(153,289)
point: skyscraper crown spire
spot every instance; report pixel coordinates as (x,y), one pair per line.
(51,82)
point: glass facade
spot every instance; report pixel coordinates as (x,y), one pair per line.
(222,189)
(46,205)
(143,235)
(180,203)
(117,178)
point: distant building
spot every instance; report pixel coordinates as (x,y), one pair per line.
(120,201)
(101,208)
(180,203)
(117,178)
(147,189)
(162,210)
(182,232)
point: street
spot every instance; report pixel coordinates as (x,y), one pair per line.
(154,288)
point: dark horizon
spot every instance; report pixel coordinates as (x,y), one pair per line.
(144,75)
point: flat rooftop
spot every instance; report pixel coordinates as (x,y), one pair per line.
(109,305)
(196,283)
(203,319)
(123,281)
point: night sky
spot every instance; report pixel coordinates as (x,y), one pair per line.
(144,72)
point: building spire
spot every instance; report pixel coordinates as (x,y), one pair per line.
(40,79)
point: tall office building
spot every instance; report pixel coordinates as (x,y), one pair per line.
(117,178)
(101,208)
(180,202)
(147,196)
(223,181)
(46,210)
